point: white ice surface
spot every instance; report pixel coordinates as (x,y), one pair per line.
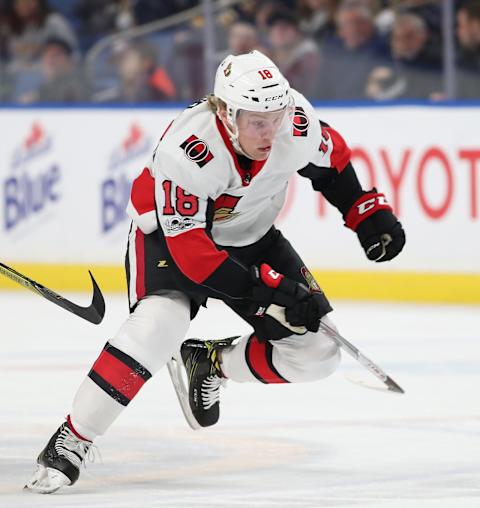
(324,444)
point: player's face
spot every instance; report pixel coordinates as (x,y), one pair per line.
(256,132)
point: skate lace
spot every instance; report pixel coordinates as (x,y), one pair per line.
(93,454)
(211,390)
(75,450)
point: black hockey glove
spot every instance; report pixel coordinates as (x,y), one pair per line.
(302,308)
(379,231)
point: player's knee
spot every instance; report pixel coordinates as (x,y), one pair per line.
(154,330)
(330,362)
(308,358)
(322,361)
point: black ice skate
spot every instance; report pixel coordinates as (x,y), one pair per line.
(201,400)
(59,462)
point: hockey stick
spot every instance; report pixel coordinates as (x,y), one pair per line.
(362,359)
(278,313)
(93,313)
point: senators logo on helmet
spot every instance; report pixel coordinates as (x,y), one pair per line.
(228,70)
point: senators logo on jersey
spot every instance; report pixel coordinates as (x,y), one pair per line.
(312,283)
(224,207)
(300,122)
(197,150)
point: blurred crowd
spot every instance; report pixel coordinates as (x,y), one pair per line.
(327,49)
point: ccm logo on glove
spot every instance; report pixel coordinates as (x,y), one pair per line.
(378,229)
(367,205)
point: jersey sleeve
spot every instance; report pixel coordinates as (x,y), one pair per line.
(141,205)
(333,151)
(331,171)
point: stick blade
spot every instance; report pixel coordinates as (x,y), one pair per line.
(388,385)
(392,386)
(94,313)
(98,302)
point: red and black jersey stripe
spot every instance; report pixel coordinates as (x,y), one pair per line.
(259,360)
(300,122)
(118,374)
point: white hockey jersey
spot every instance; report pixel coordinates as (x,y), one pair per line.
(194,167)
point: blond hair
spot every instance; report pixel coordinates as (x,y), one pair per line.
(215,104)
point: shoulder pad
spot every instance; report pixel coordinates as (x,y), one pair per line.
(189,154)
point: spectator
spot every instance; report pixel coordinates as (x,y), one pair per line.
(416,57)
(64,82)
(147,11)
(317,18)
(429,10)
(348,59)
(3,31)
(186,64)
(296,56)
(414,72)
(468,33)
(5,81)
(140,79)
(374,6)
(242,38)
(263,11)
(99,18)
(30,23)
(383,17)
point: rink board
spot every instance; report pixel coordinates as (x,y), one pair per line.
(65,177)
(388,286)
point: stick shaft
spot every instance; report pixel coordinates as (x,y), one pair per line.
(361,358)
(93,313)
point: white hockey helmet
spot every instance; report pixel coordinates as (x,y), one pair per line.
(250,82)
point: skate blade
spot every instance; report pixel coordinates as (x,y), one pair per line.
(177,373)
(46,480)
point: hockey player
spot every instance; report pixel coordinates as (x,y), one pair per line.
(202,227)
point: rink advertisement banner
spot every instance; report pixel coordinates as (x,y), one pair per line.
(65,179)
